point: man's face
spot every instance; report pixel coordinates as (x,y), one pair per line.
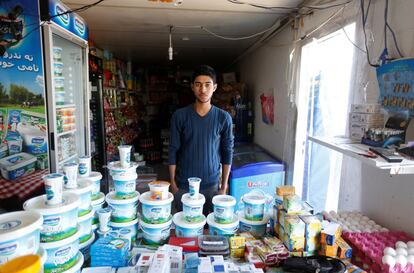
(203,88)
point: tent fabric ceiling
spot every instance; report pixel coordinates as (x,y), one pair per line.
(138,30)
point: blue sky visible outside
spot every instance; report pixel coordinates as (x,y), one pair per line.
(30,46)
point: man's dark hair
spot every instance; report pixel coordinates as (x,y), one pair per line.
(204,70)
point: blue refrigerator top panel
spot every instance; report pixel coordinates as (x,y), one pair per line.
(254,162)
(246,148)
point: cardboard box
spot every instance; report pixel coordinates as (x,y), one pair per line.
(313,226)
(294,243)
(292,204)
(285,190)
(330,251)
(365,108)
(312,244)
(294,226)
(330,233)
(344,250)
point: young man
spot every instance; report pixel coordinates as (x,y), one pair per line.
(201,139)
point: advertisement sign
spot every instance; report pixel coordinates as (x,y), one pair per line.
(23,127)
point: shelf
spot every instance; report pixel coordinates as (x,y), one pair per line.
(68,159)
(66,106)
(66,133)
(355,149)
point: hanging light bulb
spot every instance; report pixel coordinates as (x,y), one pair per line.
(170,49)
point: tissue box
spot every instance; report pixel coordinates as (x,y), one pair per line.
(312,244)
(294,226)
(294,243)
(292,204)
(330,233)
(313,226)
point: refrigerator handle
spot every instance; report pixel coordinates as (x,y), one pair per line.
(52,141)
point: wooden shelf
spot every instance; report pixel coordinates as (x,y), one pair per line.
(354,149)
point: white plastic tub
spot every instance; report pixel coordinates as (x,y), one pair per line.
(224,208)
(95,178)
(193,207)
(17,165)
(156,211)
(256,228)
(77,267)
(62,255)
(254,207)
(84,190)
(159,190)
(188,230)
(85,227)
(59,221)
(34,139)
(131,226)
(19,234)
(222,229)
(123,210)
(96,205)
(155,234)
(86,246)
(115,168)
(125,185)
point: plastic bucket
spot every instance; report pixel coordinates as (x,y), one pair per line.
(86,246)
(156,211)
(96,205)
(193,208)
(256,228)
(84,190)
(125,185)
(123,210)
(133,226)
(19,234)
(224,208)
(159,190)
(85,227)
(115,168)
(95,178)
(155,234)
(61,255)
(185,229)
(254,207)
(59,221)
(222,229)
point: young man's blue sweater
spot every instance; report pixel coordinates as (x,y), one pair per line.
(199,144)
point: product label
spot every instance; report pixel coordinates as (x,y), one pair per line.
(8,249)
(83,168)
(64,254)
(51,221)
(10,225)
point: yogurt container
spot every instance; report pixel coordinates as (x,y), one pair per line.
(156,211)
(126,228)
(193,207)
(125,155)
(254,207)
(19,234)
(95,178)
(84,166)
(194,186)
(71,174)
(61,255)
(60,97)
(58,69)
(86,246)
(123,210)
(43,256)
(96,205)
(84,190)
(78,266)
(159,190)
(59,83)
(115,168)
(14,166)
(34,139)
(224,208)
(53,187)
(222,229)
(256,228)
(188,230)
(85,227)
(59,221)
(155,234)
(57,53)
(125,185)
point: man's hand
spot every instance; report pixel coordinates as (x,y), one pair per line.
(173,188)
(222,191)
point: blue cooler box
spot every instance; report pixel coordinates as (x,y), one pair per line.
(255,171)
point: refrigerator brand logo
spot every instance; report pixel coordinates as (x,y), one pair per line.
(79,26)
(64,18)
(258,184)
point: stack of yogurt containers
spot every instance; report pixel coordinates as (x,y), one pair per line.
(59,234)
(223,221)
(191,221)
(156,219)
(254,219)
(59,79)
(123,202)
(75,183)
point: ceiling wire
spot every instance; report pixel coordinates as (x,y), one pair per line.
(321,7)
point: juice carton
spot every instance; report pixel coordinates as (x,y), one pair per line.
(344,250)
(329,250)
(312,244)
(292,204)
(330,233)
(294,243)
(294,226)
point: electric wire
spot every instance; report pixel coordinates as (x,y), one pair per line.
(364,16)
(387,26)
(322,7)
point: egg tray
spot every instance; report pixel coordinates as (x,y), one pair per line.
(368,248)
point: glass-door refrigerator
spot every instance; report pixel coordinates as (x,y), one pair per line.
(66,65)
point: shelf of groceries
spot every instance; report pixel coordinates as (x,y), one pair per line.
(355,149)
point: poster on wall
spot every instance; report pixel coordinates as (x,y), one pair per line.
(23,127)
(267,102)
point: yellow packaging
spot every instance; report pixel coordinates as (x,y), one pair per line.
(285,190)
(313,225)
(330,233)
(329,251)
(237,241)
(294,243)
(237,252)
(247,236)
(296,254)
(294,226)
(312,244)
(281,217)
(344,250)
